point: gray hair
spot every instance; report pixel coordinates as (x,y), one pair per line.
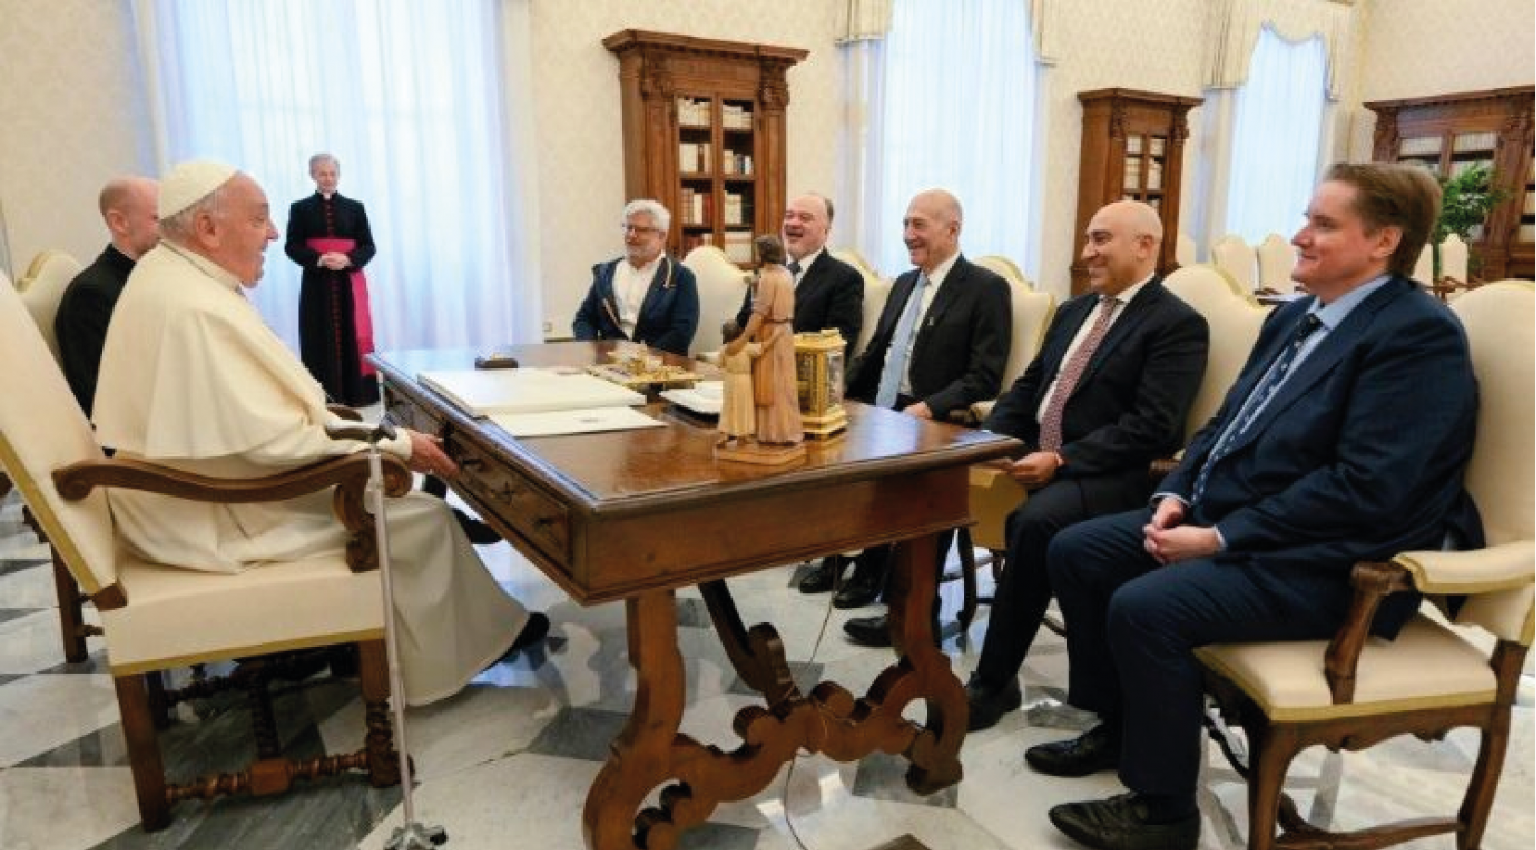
(323,157)
(658,213)
(179,227)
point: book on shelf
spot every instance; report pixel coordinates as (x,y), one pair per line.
(692,113)
(734,116)
(487,392)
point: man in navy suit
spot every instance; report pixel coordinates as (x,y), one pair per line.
(1344,439)
(1107,394)
(940,345)
(644,296)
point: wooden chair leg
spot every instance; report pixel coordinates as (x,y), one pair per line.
(1508,659)
(379,737)
(71,618)
(1271,759)
(143,751)
(967,577)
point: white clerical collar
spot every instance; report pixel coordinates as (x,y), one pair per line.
(203,264)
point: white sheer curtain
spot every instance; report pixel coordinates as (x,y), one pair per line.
(956,102)
(410,98)
(1277,135)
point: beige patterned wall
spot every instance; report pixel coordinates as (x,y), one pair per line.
(71,100)
(1107,44)
(576,81)
(1418,48)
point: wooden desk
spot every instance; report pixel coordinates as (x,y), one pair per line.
(634,515)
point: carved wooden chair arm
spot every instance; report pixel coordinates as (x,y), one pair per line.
(1373,581)
(344,412)
(347,473)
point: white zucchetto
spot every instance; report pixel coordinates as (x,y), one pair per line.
(190,182)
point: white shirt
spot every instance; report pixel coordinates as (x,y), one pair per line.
(629,288)
(935,280)
(1124,300)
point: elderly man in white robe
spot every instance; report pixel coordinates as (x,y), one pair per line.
(192,377)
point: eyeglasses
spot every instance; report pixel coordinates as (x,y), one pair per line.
(635,228)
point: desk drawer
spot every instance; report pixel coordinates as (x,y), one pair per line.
(537,517)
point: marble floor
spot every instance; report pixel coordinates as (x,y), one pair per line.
(506,763)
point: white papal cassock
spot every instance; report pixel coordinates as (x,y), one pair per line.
(191,377)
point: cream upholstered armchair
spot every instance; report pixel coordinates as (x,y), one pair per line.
(1233,317)
(1277,259)
(1184,252)
(42,288)
(876,290)
(157,617)
(1238,259)
(722,288)
(1356,690)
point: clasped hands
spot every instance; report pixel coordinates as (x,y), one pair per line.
(335,260)
(1169,541)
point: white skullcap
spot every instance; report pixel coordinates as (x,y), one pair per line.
(190,182)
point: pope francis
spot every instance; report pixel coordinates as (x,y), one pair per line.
(192,377)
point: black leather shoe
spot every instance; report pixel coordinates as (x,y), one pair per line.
(535,630)
(869,631)
(823,576)
(863,589)
(1091,752)
(476,530)
(989,704)
(1123,823)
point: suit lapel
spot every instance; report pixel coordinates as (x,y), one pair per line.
(654,291)
(1144,302)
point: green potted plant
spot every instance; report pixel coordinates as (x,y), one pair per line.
(1466,199)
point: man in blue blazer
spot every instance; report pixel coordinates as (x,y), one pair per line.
(1108,393)
(644,296)
(1345,438)
(940,345)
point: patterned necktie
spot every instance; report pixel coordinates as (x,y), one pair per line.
(1257,399)
(1066,382)
(896,356)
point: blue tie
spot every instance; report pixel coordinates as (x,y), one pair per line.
(1254,404)
(896,356)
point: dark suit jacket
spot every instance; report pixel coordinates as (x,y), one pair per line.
(1361,453)
(1130,405)
(961,348)
(829,295)
(81,323)
(668,316)
(306,219)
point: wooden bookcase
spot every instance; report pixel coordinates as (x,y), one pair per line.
(1451,132)
(1132,149)
(704,134)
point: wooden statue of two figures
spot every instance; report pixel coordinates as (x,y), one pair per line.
(760,408)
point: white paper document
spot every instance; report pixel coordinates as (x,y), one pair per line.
(586,421)
(484,392)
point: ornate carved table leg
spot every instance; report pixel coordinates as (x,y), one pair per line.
(641,756)
(935,752)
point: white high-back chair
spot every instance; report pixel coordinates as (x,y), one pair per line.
(1237,258)
(722,289)
(876,290)
(1424,269)
(1453,260)
(1357,689)
(42,288)
(157,617)
(1234,320)
(1277,259)
(1184,251)
(1004,267)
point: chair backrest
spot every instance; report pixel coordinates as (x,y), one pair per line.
(42,429)
(1277,259)
(1008,269)
(1032,313)
(42,287)
(1500,319)
(1237,258)
(852,257)
(1453,258)
(1424,269)
(1184,251)
(876,290)
(722,288)
(1234,322)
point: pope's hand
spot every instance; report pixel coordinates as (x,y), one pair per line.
(427,456)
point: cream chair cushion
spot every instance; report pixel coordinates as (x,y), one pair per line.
(1005,268)
(49,431)
(42,288)
(1424,269)
(1277,259)
(876,291)
(1184,250)
(1032,312)
(1287,680)
(1237,258)
(722,288)
(177,616)
(1234,320)
(1453,258)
